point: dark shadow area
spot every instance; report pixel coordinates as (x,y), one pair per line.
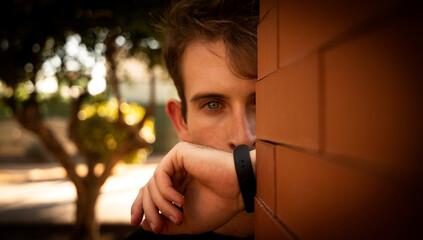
(42,212)
(35,231)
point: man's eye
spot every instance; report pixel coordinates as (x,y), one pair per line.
(213,105)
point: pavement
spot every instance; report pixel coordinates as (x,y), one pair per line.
(41,193)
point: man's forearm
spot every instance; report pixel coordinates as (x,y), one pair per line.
(241,226)
(253,161)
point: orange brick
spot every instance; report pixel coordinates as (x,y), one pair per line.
(267,43)
(373,99)
(317,199)
(287,105)
(305,25)
(265,6)
(265,163)
(266,226)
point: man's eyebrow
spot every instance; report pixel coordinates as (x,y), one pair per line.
(200,96)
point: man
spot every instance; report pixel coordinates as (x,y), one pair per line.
(210,53)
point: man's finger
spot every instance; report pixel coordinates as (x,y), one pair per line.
(166,178)
(151,212)
(165,206)
(137,210)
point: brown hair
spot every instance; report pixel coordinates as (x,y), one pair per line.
(233,21)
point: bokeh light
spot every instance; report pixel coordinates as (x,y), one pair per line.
(48,85)
(97,84)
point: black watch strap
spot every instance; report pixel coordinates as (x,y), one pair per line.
(245,174)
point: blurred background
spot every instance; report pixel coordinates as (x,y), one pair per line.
(82,118)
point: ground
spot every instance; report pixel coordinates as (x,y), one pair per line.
(37,201)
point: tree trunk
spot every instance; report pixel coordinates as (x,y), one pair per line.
(86,225)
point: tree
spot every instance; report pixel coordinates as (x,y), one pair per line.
(36,51)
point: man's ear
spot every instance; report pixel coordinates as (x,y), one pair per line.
(173,110)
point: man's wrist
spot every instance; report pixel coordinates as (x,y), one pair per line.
(245,174)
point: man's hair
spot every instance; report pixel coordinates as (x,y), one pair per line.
(233,21)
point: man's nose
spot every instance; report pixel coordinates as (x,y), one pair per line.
(243,130)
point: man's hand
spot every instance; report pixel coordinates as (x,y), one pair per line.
(201,180)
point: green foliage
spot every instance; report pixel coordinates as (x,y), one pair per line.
(21,92)
(5,112)
(101,135)
(49,50)
(34,34)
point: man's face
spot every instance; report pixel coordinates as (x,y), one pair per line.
(221,107)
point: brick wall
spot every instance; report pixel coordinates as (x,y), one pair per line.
(339,115)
